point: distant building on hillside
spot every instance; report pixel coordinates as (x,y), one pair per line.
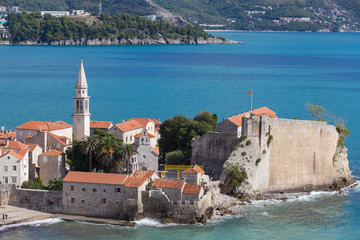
(56,13)
(2,9)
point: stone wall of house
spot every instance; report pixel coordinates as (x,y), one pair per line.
(156,204)
(173,194)
(228,127)
(146,159)
(211,150)
(94,200)
(191,178)
(51,167)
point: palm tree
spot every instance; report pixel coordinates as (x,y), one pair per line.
(107,153)
(88,147)
(127,151)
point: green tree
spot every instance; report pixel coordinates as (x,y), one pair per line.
(175,158)
(88,147)
(316,111)
(55,184)
(127,151)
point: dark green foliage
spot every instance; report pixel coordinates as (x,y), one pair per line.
(177,133)
(258,161)
(343,133)
(33,184)
(248,142)
(264,151)
(103,150)
(55,184)
(242,145)
(175,158)
(206,117)
(236,176)
(296,118)
(242,138)
(243,154)
(47,29)
(316,111)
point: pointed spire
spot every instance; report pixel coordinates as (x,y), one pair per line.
(81,80)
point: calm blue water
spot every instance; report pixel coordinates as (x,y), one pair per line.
(284,70)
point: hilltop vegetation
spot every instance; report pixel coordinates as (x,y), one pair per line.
(47,29)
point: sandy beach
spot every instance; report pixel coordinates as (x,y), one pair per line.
(18,215)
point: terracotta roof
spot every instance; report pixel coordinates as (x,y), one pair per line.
(101,124)
(237,120)
(16,145)
(64,124)
(7,135)
(91,177)
(143,173)
(192,189)
(57,138)
(129,125)
(167,183)
(19,155)
(32,146)
(134,182)
(45,126)
(156,150)
(194,170)
(52,153)
(140,134)
(135,123)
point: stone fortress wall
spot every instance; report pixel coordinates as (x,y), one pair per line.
(296,155)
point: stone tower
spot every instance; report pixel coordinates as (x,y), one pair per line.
(81,116)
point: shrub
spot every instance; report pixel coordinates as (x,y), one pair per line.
(242,146)
(264,151)
(30,184)
(248,142)
(343,133)
(175,158)
(237,177)
(258,161)
(55,184)
(243,154)
(242,138)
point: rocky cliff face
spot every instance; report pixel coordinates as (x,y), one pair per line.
(342,173)
(135,41)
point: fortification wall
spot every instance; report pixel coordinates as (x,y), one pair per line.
(40,200)
(301,154)
(211,150)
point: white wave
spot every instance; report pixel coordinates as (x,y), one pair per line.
(48,221)
(264,213)
(353,187)
(152,222)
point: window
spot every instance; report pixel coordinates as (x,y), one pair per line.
(94,189)
(83,189)
(81,105)
(77,105)
(82,201)
(144,156)
(25,166)
(118,190)
(126,138)
(13,179)
(130,138)
(72,200)
(79,91)
(83,91)
(103,200)
(72,188)
(8,157)
(6,180)
(104,190)
(5,168)
(14,168)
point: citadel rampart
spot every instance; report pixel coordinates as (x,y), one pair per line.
(292,155)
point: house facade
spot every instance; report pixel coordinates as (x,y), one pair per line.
(52,165)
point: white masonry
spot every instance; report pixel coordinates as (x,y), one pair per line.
(81,116)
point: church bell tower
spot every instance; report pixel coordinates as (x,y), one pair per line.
(81,116)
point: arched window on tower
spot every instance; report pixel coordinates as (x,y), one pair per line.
(77,106)
(81,106)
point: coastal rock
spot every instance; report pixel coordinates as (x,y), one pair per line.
(342,173)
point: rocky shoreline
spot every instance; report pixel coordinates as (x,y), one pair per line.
(135,41)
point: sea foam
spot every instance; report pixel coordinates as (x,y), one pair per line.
(48,221)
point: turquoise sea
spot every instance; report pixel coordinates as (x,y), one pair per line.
(284,70)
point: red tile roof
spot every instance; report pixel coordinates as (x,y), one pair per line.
(144,173)
(192,189)
(140,134)
(57,138)
(167,183)
(32,146)
(16,145)
(194,170)
(101,124)
(45,126)
(52,153)
(19,155)
(135,182)
(135,123)
(156,150)
(91,177)
(237,120)
(4,135)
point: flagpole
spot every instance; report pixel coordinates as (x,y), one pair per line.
(251,101)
